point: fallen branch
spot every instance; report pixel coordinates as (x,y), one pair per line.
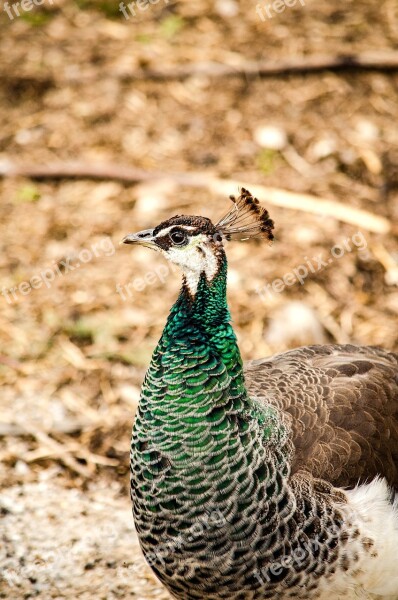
(385,61)
(381,61)
(367,61)
(308,203)
(278,197)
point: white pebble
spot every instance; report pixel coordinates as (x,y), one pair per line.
(227,8)
(323,148)
(367,130)
(270,136)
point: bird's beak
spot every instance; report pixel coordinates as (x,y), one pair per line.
(145,238)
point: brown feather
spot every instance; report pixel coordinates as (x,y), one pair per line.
(341,404)
(247,219)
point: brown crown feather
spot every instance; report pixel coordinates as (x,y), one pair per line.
(247,219)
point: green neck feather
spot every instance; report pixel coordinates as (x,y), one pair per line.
(208,308)
(195,422)
(206,318)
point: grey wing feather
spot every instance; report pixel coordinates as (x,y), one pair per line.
(341,404)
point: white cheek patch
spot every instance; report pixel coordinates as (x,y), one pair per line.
(205,263)
(194,259)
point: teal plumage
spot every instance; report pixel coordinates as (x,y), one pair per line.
(217,497)
(196,430)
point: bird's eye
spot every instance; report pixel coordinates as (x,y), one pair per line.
(178,237)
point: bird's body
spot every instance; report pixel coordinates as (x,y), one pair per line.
(238,475)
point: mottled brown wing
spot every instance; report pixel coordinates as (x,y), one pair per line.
(341,403)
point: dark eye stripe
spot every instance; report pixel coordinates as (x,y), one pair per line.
(164,242)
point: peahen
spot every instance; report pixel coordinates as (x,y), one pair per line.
(275,479)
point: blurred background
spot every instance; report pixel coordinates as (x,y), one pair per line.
(125,92)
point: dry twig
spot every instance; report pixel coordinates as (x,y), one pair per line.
(366,61)
(54,448)
(388,262)
(278,197)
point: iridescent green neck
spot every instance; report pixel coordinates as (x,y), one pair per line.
(195,421)
(208,308)
(207,315)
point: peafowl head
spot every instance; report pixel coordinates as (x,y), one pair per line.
(197,245)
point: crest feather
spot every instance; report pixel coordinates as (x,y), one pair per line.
(247,219)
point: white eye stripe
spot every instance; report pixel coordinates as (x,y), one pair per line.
(167,230)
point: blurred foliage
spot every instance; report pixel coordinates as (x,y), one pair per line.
(28,193)
(143,38)
(267,160)
(37,17)
(171,25)
(110,8)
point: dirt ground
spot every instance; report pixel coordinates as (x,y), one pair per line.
(77,336)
